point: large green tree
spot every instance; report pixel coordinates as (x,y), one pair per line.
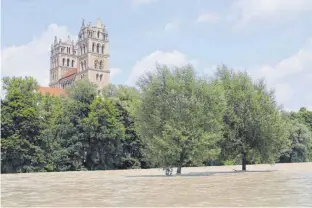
(20,126)
(127,100)
(254,125)
(74,147)
(104,132)
(180,116)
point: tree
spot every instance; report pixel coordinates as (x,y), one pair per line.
(68,130)
(180,116)
(20,126)
(127,100)
(254,127)
(305,116)
(104,132)
(50,109)
(300,137)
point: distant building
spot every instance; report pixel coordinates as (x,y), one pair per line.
(88,59)
(51,91)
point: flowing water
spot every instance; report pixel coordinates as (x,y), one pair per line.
(283,185)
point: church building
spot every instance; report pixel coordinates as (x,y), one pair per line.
(87,58)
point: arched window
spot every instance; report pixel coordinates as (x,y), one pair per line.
(80,50)
(93,47)
(84,48)
(101,77)
(81,64)
(98,48)
(63,61)
(67,62)
(97,77)
(101,64)
(85,64)
(73,63)
(69,50)
(62,50)
(103,49)
(98,34)
(95,64)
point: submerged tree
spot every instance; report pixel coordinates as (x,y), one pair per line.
(254,126)
(180,116)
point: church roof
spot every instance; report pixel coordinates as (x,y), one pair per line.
(51,91)
(70,72)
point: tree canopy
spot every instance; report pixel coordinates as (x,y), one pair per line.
(173,118)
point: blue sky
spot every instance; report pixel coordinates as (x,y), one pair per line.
(267,38)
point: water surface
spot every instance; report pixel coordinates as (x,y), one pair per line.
(280,185)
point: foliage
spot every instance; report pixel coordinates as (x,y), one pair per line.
(300,137)
(254,127)
(180,116)
(20,126)
(175,118)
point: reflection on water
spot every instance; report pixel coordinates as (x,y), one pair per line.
(263,185)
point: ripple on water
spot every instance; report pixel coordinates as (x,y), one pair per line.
(264,185)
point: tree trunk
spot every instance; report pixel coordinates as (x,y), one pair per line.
(244,161)
(179,170)
(182,155)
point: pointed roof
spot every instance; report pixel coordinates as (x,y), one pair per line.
(68,40)
(99,23)
(82,24)
(70,72)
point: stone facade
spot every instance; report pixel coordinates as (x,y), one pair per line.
(88,58)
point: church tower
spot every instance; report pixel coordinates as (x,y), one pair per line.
(87,59)
(63,58)
(93,53)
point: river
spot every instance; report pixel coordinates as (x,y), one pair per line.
(282,185)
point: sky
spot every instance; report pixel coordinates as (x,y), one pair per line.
(269,39)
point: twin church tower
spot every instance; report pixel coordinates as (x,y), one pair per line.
(88,58)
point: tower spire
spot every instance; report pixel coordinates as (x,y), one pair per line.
(82,24)
(99,23)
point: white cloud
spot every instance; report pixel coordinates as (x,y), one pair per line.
(170,26)
(33,58)
(148,63)
(142,2)
(114,72)
(291,78)
(208,17)
(249,10)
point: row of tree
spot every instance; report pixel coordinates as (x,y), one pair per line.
(173,119)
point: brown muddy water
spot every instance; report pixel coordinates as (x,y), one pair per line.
(282,185)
